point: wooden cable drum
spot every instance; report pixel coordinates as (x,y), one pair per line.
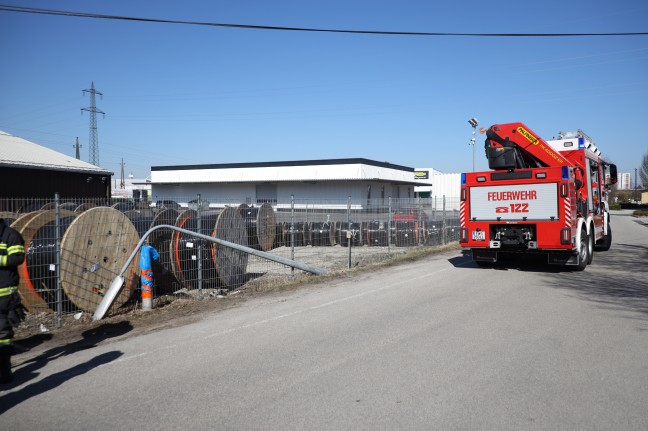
(230,263)
(322,233)
(184,250)
(142,220)
(168,217)
(23,219)
(301,234)
(404,235)
(260,223)
(160,239)
(377,233)
(174,257)
(37,285)
(94,249)
(280,238)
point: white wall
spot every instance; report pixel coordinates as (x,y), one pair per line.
(236,193)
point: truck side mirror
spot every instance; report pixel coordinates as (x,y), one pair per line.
(613,174)
(578,184)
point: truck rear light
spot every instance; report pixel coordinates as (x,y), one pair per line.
(564,190)
(464,194)
(565,236)
(463,234)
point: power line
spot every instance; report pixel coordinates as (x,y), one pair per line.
(23,9)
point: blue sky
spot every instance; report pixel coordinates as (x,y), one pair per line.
(177,94)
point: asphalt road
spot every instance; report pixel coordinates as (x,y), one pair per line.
(436,344)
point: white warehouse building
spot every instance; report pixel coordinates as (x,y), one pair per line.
(332,180)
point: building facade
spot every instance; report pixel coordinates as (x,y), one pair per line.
(363,181)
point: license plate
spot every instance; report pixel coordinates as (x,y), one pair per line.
(479,235)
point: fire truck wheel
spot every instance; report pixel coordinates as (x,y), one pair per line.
(584,250)
(590,247)
(604,243)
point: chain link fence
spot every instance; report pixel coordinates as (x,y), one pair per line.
(75,247)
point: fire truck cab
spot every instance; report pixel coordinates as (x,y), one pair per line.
(540,197)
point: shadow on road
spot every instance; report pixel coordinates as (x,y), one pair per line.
(626,289)
(48,383)
(91,338)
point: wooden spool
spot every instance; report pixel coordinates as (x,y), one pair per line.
(322,233)
(93,251)
(168,217)
(231,264)
(174,252)
(377,233)
(28,226)
(261,224)
(160,239)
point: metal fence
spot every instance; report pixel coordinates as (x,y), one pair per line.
(74,248)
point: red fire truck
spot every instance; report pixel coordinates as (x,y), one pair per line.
(541,197)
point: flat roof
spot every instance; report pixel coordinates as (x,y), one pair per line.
(322,162)
(329,170)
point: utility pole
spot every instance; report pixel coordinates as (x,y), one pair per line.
(78,152)
(94,140)
(473,122)
(122,183)
(636,194)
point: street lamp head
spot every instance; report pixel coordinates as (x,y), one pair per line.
(473,122)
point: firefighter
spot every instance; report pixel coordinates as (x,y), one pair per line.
(12,254)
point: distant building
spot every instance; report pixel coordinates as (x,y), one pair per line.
(308,181)
(131,188)
(624,181)
(29,170)
(441,185)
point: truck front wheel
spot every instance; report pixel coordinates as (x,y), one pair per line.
(583,254)
(604,243)
(590,247)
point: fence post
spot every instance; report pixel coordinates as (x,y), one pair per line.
(420,221)
(199,229)
(444,224)
(389,227)
(292,232)
(59,293)
(348,235)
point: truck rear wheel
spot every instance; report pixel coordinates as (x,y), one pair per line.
(583,254)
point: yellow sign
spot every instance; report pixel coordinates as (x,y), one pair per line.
(524,132)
